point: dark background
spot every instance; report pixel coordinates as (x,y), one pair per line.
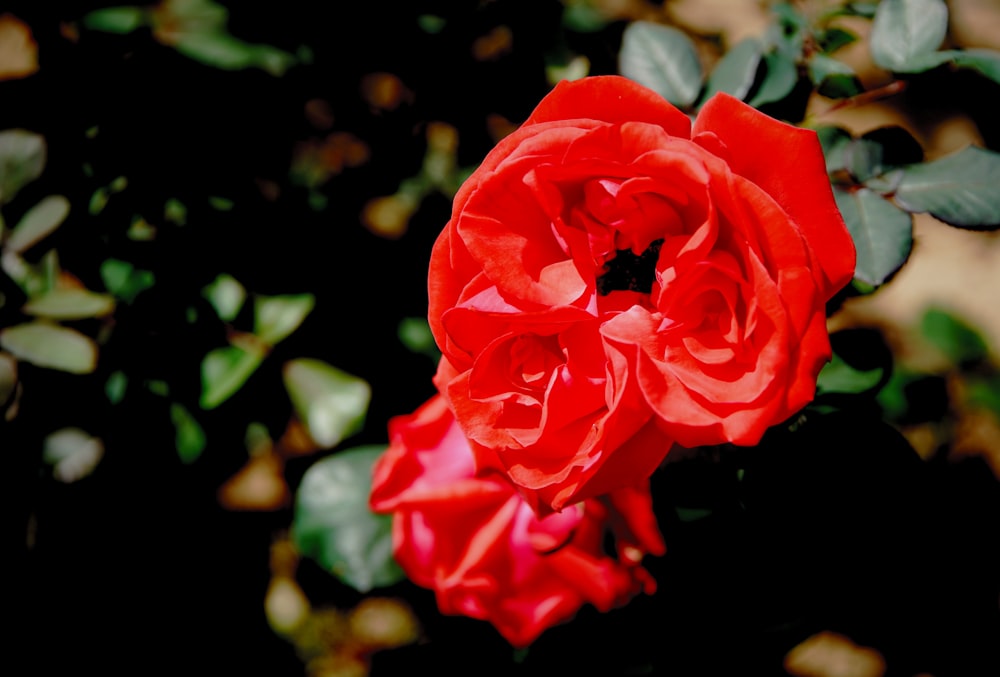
(138,569)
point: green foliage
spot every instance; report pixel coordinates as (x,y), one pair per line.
(124,280)
(70,304)
(662,58)
(225,370)
(190,439)
(960,189)
(838,376)
(276,317)
(905,33)
(50,345)
(882,233)
(226,295)
(334,525)
(37,223)
(958,341)
(330,402)
(736,71)
(196,29)
(22,159)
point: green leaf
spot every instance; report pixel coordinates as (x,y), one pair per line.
(190,438)
(70,304)
(837,376)
(882,233)
(983,391)
(276,317)
(736,70)
(663,59)
(51,346)
(581,16)
(73,453)
(37,223)
(960,189)
(780,77)
(8,379)
(331,403)
(833,39)
(124,280)
(116,386)
(22,159)
(334,526)
(863,159)
(958,341)
(226,295)
(833,78)
(984,61)
(905,32)
(835,141)
(115,19)
(224,51)
(415,334)
(224,371)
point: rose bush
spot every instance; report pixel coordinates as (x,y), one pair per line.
(614,279)
(483,550)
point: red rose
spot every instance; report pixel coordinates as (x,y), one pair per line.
(613,280)
(484,551)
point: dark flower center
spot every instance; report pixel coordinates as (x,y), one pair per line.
(630,272)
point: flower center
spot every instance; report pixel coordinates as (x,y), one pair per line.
(627,271)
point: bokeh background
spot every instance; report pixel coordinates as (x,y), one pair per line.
(310,149)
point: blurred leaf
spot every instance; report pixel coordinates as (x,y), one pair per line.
(984,392)
(157,387)
(98,201)
(736,70)
(224,371)
(429,23)
(780,77)
(51,346)
(38,222)
(663,59)
(73,453)
(224,51)
(70,304)
(787,34)
(115,386)
(835,141)
(226,295)
(581,16)
(220,203)
(415,334)
(833,78)
(115,19)
(276,317)
(882,233)
(22,159)
(330,402)
(832,39)
(334,525)
(8,378)
(175,211)
(960,189)
(984,61)
(837,376)
(959,342)
(123,280)
(863,159)
(190,438)
(905,32)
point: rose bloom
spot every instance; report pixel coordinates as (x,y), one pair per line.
(484,551)
(614,279)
